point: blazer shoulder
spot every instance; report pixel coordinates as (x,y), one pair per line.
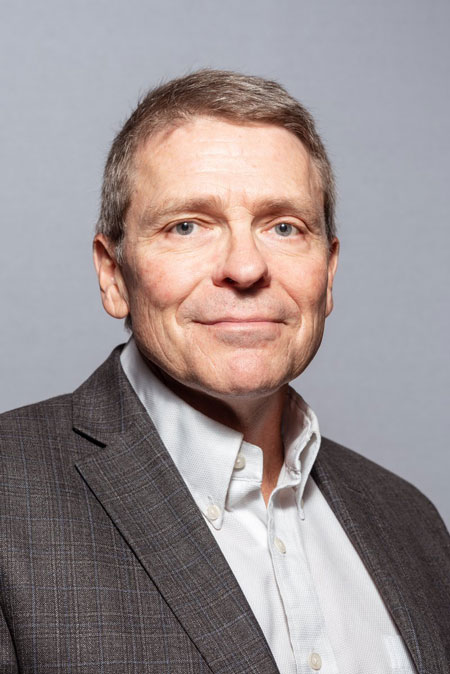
(35,447)
(55,416)
(354,464)
(380,484)
(53,412)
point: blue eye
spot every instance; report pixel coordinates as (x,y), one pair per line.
(284,229)
(184,228)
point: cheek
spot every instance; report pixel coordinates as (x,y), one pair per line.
(159,286)
(308,286)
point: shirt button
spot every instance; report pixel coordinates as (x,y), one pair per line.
(212,512)
(239,464)
(280,546)
(315,661)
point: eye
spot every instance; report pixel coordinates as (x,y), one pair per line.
(185,228)
(285,229)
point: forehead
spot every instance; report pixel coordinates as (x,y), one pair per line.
(215,156)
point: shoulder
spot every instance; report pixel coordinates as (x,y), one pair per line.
(384,492)
(49,436)
(38,452)
(38,418)
(35,437)
(54,417)
(355,467)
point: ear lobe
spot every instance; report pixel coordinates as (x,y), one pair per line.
(332,266)
(112,285)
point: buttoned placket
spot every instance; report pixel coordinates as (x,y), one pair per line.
(285,511)
(311,649)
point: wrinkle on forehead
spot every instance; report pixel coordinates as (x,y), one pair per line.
(228,137)
(217,166)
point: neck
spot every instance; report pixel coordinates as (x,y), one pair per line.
(258,419)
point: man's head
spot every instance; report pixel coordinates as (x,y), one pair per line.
(241,99)
(216,233)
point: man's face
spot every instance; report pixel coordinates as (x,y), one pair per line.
(227,271)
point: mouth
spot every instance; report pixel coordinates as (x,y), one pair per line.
(241,321)
(253,331)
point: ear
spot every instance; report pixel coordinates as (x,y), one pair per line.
(110,278)
(332,266)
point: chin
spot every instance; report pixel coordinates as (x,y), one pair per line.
(245,383)
(249,391)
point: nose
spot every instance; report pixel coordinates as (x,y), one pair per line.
(243,266)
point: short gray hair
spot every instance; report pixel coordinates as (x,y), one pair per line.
(216,93)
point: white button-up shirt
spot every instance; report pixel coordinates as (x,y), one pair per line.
(306,585)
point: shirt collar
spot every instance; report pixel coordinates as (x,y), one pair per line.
(205,451)
(301,439)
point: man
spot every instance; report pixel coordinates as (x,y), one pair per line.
(175,514)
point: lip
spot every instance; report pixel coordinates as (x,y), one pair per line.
(243,325)
(248,332)
(240,321)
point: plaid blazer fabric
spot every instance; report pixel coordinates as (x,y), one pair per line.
(107,566)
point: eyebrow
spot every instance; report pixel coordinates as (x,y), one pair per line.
(214,206)
(301,209)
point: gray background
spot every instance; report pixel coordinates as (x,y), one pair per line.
(376,77)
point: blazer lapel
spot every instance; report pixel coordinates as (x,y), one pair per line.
(386,555)
(134,478)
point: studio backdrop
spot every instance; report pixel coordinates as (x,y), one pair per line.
(374,75)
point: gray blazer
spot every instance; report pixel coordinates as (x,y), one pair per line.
(107,565)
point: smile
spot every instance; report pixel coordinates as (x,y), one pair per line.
(244,321)
(244,332)
(243,325)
